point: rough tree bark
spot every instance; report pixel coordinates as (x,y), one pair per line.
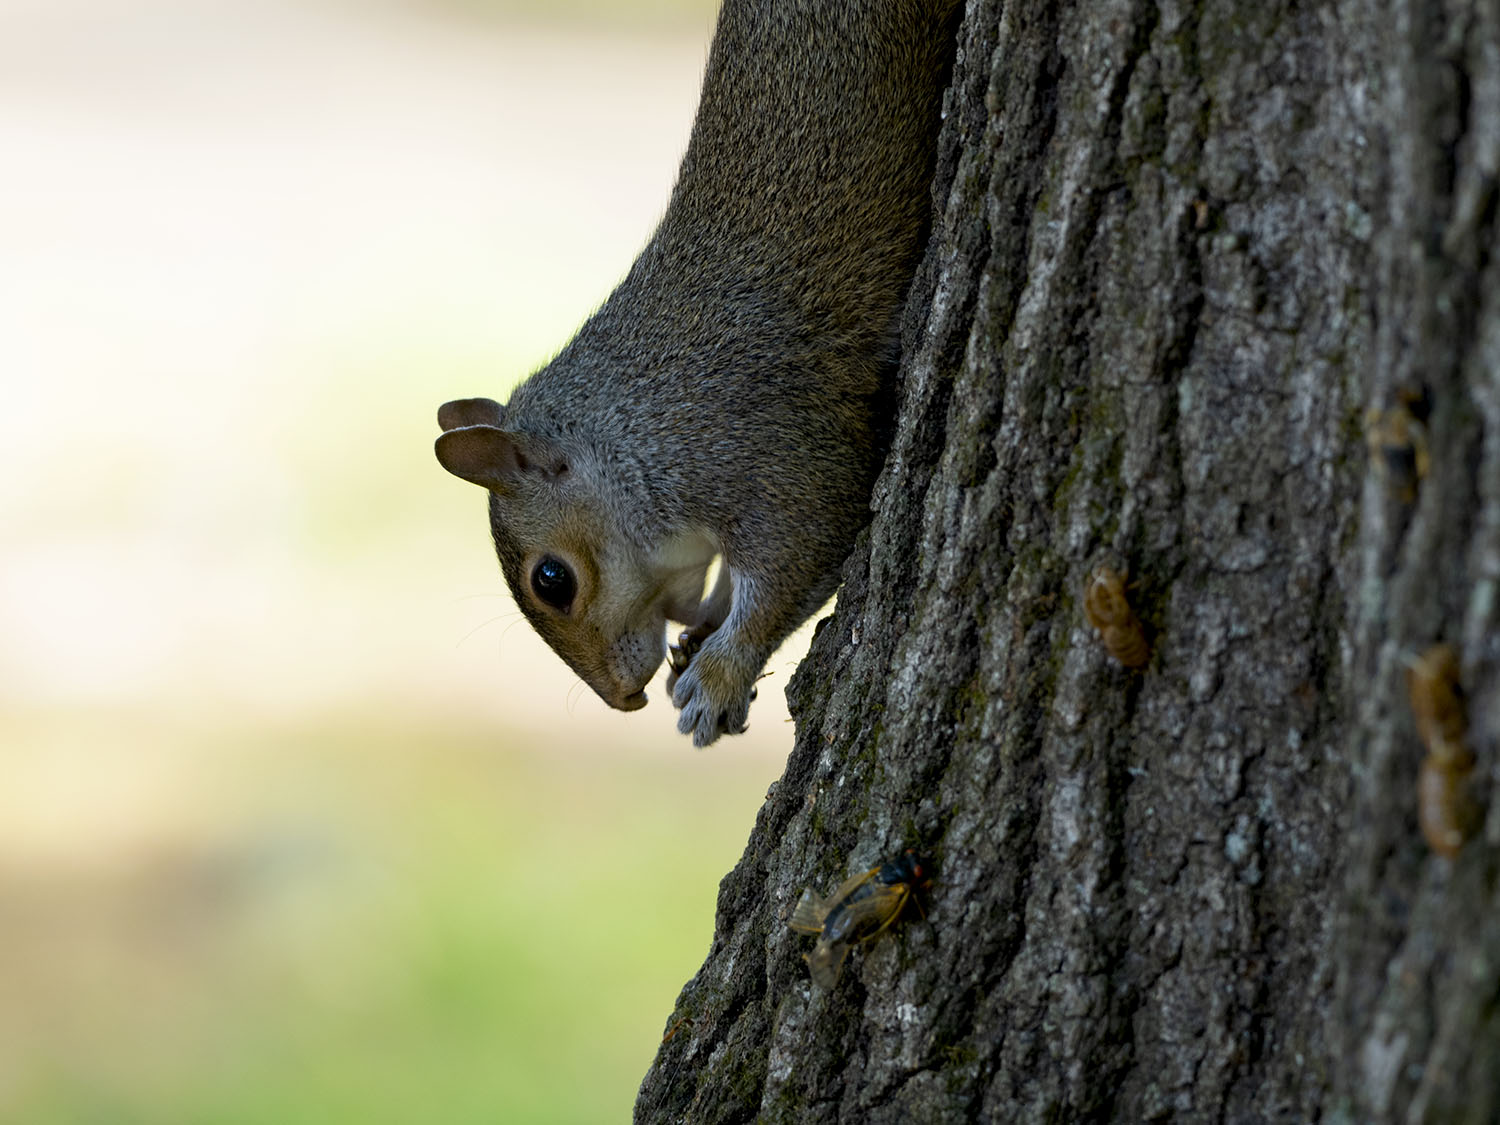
(1179,250)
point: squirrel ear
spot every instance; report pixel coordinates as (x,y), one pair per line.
(471,412)
(485,455)
(494,458)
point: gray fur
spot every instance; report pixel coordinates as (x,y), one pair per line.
(730,394)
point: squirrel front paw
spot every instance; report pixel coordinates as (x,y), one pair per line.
(713,693)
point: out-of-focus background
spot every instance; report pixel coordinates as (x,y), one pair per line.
(298,820)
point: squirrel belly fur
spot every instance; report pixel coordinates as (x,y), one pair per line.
(731,396)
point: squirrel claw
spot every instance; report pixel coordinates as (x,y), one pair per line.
(694,721)
(680,655)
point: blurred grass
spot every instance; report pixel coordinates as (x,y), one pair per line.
(368,922)
(296,825)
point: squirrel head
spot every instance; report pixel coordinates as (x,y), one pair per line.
(597,595)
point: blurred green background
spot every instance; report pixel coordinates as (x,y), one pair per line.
(298,820)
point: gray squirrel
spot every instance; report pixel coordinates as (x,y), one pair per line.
(731,396)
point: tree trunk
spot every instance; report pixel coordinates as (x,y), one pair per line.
(1180,250)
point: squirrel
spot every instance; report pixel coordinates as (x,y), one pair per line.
(731,397)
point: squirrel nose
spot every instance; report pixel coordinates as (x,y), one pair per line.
(633,702)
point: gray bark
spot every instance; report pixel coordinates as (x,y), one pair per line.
(1179,250)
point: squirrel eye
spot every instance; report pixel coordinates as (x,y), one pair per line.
(553,583)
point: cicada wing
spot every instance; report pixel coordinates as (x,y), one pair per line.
(850,885)
(825,962)
(811,911)
(807,916)
(862,916)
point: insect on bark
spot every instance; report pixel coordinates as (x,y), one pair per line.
(1447,811)
(862,908)
(1108,610)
